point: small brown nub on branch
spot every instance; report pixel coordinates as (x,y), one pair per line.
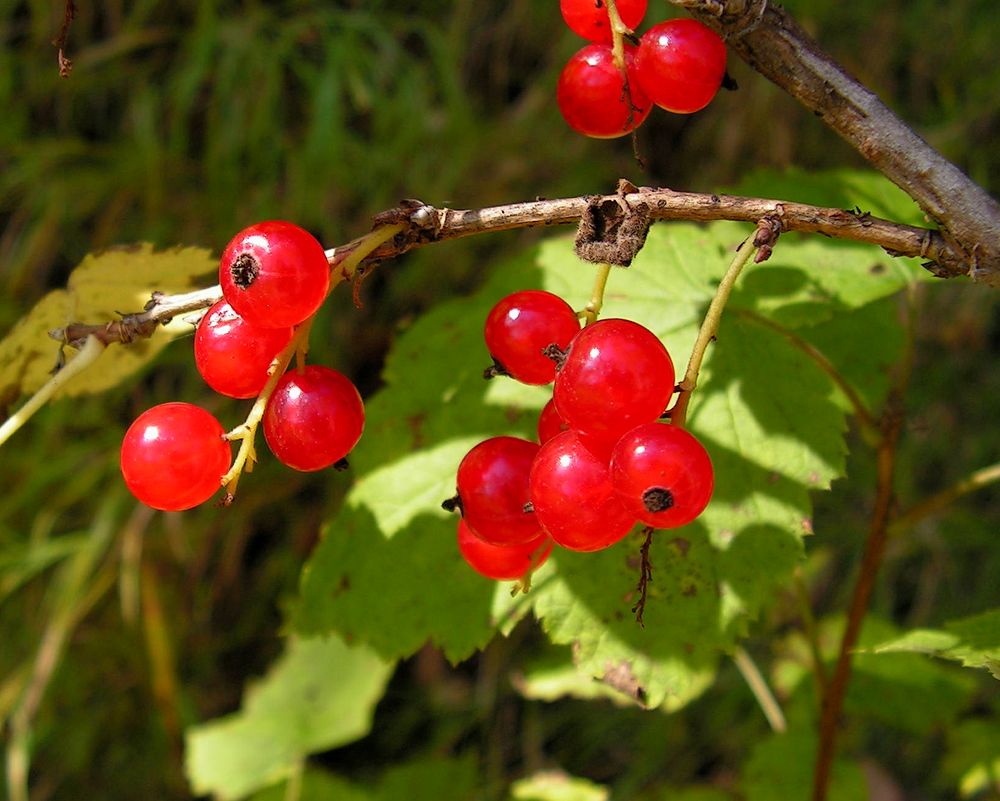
(657,499)
(453,504)
(245,270)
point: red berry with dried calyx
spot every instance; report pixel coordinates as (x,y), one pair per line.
(232,355)
(589,18)
(314,418)
(174,456)
(274,274)
(521,326)
(501,562)
(662,474)
(593,97)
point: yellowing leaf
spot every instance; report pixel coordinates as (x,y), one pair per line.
(101,289)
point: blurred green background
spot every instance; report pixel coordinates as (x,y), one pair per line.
(183,122)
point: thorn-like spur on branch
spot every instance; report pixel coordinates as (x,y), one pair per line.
(414,224)
(769,39)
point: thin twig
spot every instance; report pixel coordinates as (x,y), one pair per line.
(767,37)
(423,225)
(935,503)
(65,64)
(758,686)
(878,535)
(88,354)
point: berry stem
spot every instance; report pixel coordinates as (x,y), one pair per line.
(247,431)
(361,249)
(86,356)
(709,328)
(593,308)
(618,31)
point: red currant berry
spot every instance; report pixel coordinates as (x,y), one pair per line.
(174,456)
(589,18)
(662,475)
(521,326)
(274,274)
(549,422)
(680,64)
(232,355)
(572,496)
(492,483)
(616,375)
(314,418)
(501,562)
(592,96)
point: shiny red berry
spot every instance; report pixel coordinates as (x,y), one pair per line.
(492,483)
(572,496)
(680,64)
(314,418)
(592,96)
(274,274)
(616,375)
(232,355)
(549,422)
(589,18)
(501,562)
(173,456)
(519,328)
(662,474)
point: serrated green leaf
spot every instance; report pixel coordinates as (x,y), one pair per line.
(973,641)
(771,419)
(101,288)
(556,786)
(321,694)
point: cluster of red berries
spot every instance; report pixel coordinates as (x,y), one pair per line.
(274,276)
(678,65)
(604,459)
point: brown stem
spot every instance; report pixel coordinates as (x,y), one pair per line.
(424,225)
(769,39)
(891,423)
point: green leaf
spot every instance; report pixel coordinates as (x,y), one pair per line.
(556,786)
(780,768)
(320,694)
(972,641)
(770,417)
(317,785)
(99,290)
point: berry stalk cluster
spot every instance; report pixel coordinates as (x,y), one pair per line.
(604,460)
(274,277)
(608,88)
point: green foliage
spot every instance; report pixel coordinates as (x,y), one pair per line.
(183,122)
(972,641)
(768,415)
(319,696)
